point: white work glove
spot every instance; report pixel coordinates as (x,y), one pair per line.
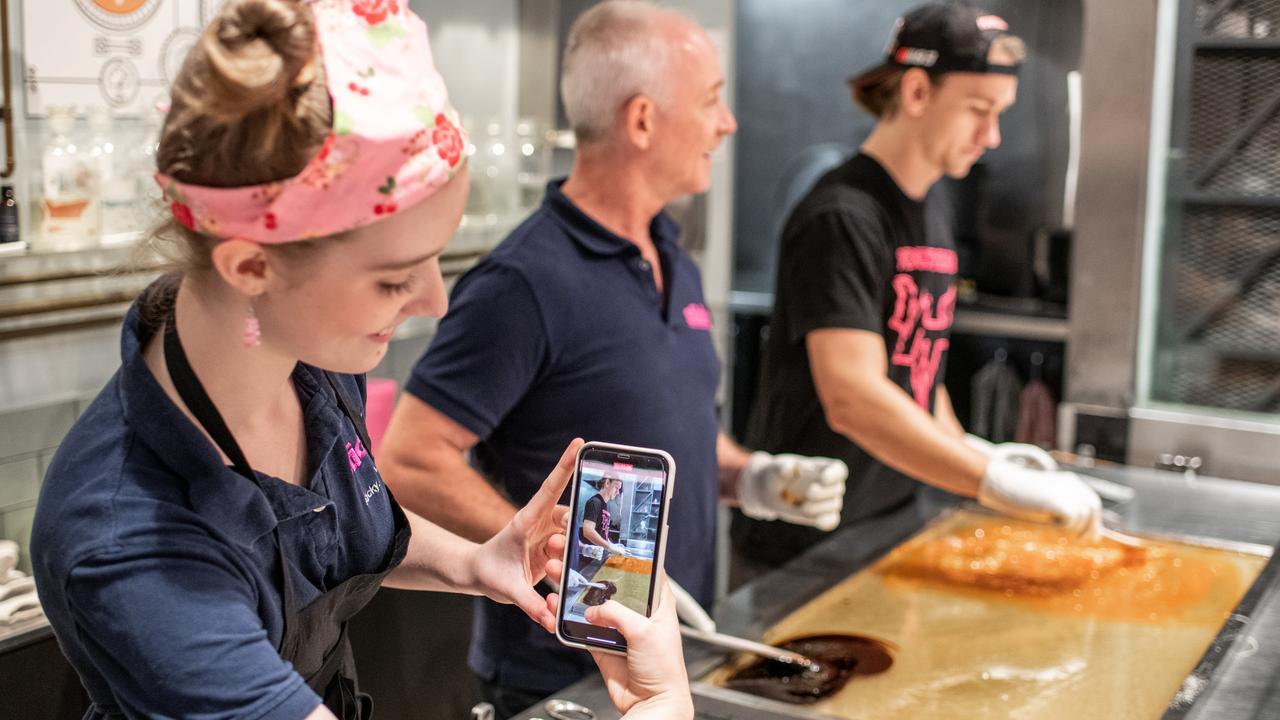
(1024,454)
(1035,457)
(798,489)
(577,581)
(1055,496)
(617,549)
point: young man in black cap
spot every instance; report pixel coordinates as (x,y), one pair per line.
(865,298)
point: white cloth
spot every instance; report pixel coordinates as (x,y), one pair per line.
(19,608)
(8,557)
(16,584)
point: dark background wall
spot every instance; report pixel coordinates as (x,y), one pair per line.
(794,111)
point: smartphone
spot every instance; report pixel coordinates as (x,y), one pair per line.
(617,538)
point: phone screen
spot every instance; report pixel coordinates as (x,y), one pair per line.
(615,538)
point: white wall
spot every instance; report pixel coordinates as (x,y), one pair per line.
(476,49)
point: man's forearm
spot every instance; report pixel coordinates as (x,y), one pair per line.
(451,494)
(945,413)
(594,537)
(888,424)
(732,458)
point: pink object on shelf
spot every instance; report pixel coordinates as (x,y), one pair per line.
(378,407)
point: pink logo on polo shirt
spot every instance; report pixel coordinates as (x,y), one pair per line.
(697,317)
(356,455)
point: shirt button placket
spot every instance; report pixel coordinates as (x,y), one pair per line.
(646,277)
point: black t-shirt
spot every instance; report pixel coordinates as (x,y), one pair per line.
(595,512)
(856,253)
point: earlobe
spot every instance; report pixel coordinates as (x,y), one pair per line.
(242,264)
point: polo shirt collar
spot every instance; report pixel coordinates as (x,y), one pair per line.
(594,237)
(228,500)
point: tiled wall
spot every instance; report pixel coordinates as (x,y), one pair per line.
(28,439)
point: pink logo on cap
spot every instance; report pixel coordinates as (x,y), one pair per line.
(697,317)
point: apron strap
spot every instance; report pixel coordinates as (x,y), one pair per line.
(201,405)
(352,408)
(197,400)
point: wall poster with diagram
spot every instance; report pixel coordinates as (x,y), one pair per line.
(117,53)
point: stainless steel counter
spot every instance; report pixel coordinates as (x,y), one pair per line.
(1238,678)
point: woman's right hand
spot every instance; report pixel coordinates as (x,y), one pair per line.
(649,682)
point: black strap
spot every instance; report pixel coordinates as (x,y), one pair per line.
(352,408)
(197,400)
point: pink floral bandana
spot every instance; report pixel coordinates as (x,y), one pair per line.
(395,139)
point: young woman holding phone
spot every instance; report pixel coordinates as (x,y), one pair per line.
(215,518)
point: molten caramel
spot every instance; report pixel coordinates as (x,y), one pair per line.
(837,658)
(1039,566)
(599,595)
(630,577)
(1041,628)
(630,564)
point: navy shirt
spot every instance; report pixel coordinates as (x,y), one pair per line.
(559,333)
(156,563)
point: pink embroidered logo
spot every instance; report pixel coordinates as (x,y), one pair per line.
(914,314)
(697,317)
(356,455)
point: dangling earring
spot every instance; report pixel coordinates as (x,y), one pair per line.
(252,334)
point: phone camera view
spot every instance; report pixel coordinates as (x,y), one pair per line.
(616,523)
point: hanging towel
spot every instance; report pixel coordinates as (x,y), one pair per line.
(1037,415)
(996,389)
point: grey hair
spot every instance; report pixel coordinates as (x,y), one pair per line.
(615,52)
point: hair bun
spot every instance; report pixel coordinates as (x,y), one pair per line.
(251,104)
(255,50)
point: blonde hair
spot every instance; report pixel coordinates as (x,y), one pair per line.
(882,99)
(249,106)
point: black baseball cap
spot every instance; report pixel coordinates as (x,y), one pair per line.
(940,38)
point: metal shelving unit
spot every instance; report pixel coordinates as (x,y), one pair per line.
(53,292)
(1218,337)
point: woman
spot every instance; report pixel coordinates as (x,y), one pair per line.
(594,531)
(215,518)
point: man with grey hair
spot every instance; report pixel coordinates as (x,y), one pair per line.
(589,320)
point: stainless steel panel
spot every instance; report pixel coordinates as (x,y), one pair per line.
(1233,448)
(1118,69)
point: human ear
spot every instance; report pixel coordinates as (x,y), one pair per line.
(638,117)
(242,264)
(915,92)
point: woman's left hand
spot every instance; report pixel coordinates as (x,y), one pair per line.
(511,563)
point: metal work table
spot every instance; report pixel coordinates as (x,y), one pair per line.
(1238,678)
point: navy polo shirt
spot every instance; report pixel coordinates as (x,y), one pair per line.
(560,333)
(157,564)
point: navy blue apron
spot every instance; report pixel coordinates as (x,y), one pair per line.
(315,637)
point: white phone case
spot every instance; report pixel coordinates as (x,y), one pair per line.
(660,552)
